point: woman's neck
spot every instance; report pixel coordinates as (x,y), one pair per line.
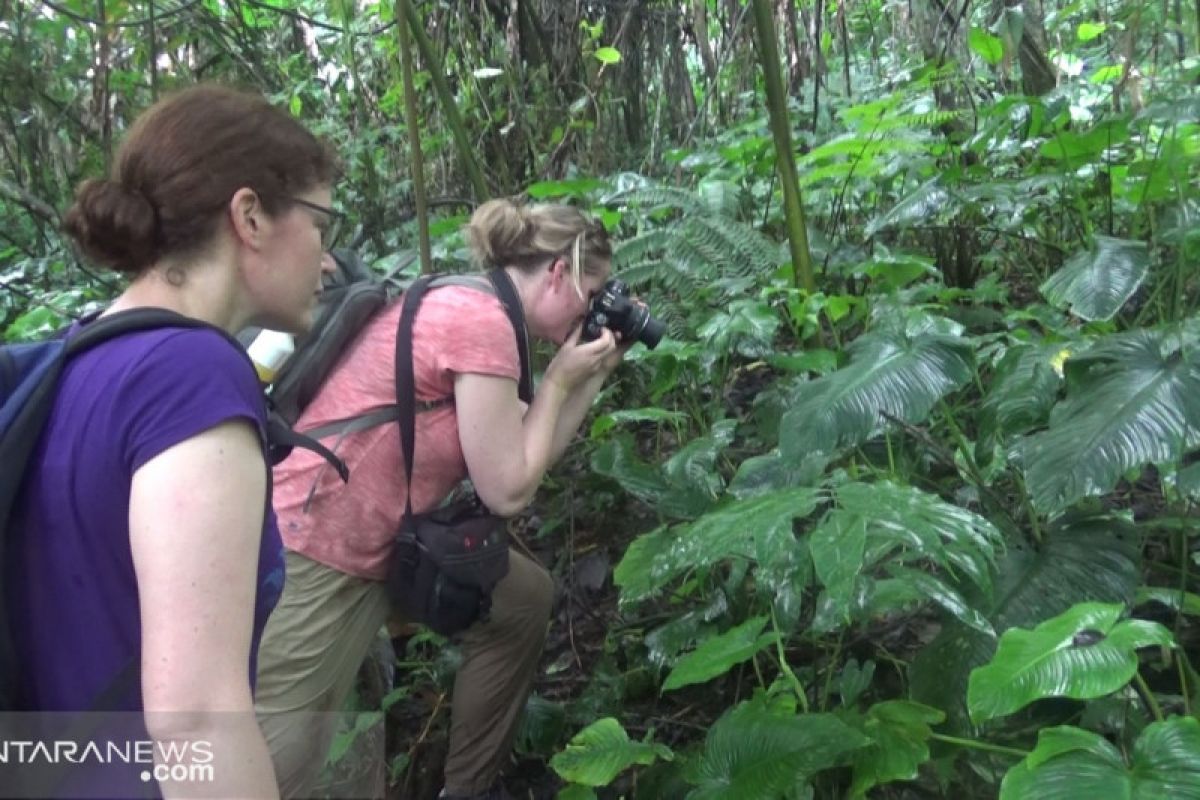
(201,290)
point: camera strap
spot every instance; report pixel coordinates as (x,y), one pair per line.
(406,388)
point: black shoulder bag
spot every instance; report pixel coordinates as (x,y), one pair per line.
(446,563)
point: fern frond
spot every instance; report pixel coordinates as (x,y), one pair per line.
(655,197)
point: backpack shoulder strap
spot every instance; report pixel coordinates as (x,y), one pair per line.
(516,315)
(406,389)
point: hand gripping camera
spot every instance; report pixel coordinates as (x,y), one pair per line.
(611,308)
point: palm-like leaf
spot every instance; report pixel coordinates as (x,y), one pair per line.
(602,751)
(1090,559)
(1132,399)
(1095,283)
(1023,389)
(1085,652)
(694,250)
(884,525)
(758,752)
(1069,763)
(901,376)
(758,529)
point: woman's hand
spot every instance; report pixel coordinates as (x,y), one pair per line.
(576,361)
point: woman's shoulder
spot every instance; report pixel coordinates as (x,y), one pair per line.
(463,306)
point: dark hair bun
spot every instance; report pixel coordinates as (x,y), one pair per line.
(114,226)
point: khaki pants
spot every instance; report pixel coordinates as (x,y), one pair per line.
(320,632)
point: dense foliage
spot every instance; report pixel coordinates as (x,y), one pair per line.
(924,529)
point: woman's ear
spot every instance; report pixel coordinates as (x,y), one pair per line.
(558,273)
(246,215)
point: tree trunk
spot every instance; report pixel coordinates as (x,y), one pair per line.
(781,131)
(1037,74)
(413,123)
(465,151)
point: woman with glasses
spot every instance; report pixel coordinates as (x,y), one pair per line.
(339,536)
(144,558)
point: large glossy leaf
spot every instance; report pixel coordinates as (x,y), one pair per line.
(1087,651)
(684,488)
(929,528)
(899,733)
(1023,389)
(1184,602)
(837,547)
(1095,283)
(1071,763)
(1132,399)
(902,376)
(885,525)
(771,471)
(755,753)
(720,653)
(926,202)
(758,529)
(602,751)
(1081,559)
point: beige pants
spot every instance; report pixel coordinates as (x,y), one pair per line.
(320,632)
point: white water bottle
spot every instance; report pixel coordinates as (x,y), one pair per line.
(269,351)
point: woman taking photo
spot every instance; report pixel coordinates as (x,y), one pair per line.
(142,541)
(339,537)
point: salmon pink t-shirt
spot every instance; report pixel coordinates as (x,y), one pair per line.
(351,526)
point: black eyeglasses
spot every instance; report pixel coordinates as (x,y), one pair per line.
(331,231)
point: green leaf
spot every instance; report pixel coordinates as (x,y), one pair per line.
(1090,30)
(1185,602)
(578,188)
(900,376)
(574,791)
(608,55)
(1132,399)
(931,587)
(1095,283)
(990,48)
(926,202)
(756,528)
(1166,760)
(899,733)
(1080,559)
(1070,763)
(771,471)
(1086,652)
(1023,389)
(907,525)
(756,752)
(719,654)
(541,725)
(606,422)
(837,548)
(634,576)
(602,751)
(1078,148)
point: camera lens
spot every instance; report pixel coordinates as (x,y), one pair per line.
(645,328)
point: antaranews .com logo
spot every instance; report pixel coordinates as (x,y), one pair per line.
(169,761)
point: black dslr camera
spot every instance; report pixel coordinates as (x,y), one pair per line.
(611,308)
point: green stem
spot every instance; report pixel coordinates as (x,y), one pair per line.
(797,687)
(1183,686)
(837,651)
(1151,700)
(1030,512)
(887,438)
(975,745)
